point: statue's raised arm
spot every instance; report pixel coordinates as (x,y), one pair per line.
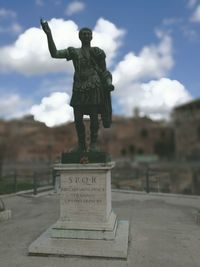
(52,47)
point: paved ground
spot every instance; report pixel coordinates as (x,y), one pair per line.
(163,231)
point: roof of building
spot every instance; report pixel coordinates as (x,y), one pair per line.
(189,105)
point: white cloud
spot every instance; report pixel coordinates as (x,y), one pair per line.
(57,2)
(190,33)
(29,55)
(155,99)
(152,62)
(9,17)
(14,28)
(53,110)
(7,13)
(39,2)
(108,37)
(13,106)
(191,3)
(135,87)
(171,21)
(74,7)
(196,15)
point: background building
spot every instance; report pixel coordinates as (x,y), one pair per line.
(28,147)
(138,136)
(186,119)
(26,140)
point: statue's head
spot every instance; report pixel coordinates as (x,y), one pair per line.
(85,35)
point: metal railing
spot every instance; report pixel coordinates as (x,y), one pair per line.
(170,178)
(183,180)
(15,181)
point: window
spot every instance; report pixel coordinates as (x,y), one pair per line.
(123,152)
(140,151)
(144,133)
(131,149)
(162,134)
(198,132)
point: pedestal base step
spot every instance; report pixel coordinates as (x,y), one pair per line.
(80,225)
(117,248)
(84,234)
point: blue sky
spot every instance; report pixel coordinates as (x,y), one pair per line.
(152,50)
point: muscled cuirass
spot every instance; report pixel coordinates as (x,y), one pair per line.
(86,77)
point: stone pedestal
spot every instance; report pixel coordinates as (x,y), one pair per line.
(87,225)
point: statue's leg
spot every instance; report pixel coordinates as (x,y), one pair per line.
(94,127)
(80,128)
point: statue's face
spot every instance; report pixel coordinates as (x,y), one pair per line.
(85,36)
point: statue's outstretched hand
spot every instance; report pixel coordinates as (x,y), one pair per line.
(45,26)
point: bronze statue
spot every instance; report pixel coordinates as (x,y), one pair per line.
(91,87)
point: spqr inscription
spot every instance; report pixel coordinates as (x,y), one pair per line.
(82,190)
(87,180)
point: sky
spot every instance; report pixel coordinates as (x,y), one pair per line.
(152,49)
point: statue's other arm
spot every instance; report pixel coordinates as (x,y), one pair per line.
(100,58)
(52,47)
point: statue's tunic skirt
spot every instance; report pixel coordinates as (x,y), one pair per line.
(87,90)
